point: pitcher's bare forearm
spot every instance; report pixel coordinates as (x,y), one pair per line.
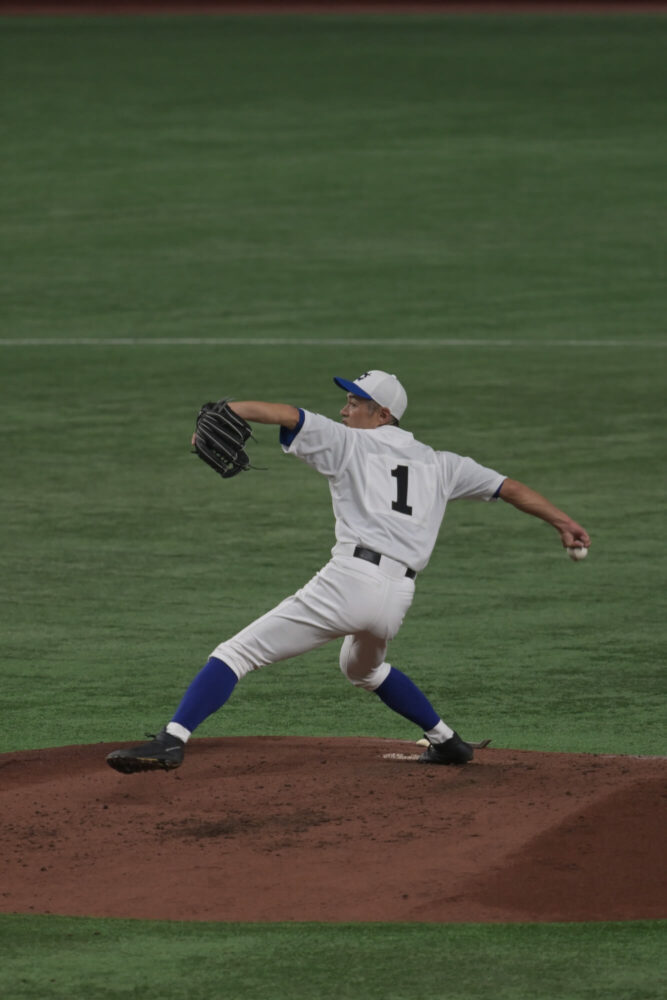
(258,412)
(528,500)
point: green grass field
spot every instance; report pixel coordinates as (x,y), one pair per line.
(202,207)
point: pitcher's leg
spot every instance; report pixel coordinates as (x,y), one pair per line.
(402,695)
(289,629)
(277,635)
(362,662)
(208,692)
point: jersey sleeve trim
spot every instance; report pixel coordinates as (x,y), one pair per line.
(497,493)
(287,434)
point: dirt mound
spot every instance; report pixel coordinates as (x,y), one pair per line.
(263,829)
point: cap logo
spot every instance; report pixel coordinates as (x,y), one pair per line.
(365,375)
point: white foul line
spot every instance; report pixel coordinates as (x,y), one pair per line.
(314,342)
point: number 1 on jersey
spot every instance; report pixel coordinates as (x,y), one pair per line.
(400,504)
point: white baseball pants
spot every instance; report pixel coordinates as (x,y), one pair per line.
(347,597)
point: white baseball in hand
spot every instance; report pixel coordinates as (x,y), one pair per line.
(577,552)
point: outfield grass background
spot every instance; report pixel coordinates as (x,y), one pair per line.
(474,203)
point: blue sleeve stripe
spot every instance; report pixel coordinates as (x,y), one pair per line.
(497,493)
(287,435)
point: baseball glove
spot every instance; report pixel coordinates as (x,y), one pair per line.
(220,437)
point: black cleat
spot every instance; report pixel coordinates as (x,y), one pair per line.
(164,753)
(452,751)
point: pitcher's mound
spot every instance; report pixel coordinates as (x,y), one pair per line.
(285,828)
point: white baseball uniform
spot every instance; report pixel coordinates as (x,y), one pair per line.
(389,493)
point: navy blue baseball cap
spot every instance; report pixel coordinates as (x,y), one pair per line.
(379,386)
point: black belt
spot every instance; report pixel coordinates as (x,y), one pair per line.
(370,556)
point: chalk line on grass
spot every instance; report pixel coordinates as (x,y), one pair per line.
(320,342)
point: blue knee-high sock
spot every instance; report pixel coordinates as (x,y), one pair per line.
(402,695)
(206,694)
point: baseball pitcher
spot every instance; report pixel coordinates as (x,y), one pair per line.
(389,494)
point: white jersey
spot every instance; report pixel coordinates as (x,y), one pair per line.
(389,491)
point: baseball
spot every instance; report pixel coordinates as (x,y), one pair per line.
(577,553)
